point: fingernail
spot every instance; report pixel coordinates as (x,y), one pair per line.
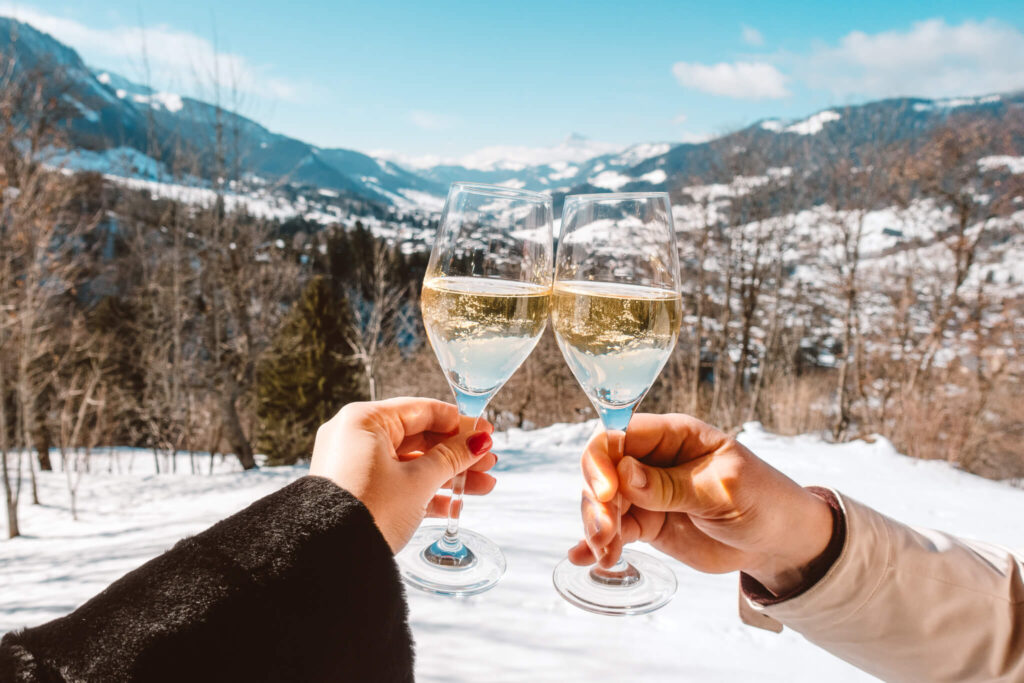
(479,443)
(637,476)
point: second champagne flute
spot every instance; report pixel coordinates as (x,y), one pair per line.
(485,304)
(615,310)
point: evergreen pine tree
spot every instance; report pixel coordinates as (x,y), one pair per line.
(306,375)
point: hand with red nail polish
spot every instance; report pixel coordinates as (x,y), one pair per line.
(394,455)
(698,495)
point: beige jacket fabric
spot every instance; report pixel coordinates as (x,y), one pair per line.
(911,605)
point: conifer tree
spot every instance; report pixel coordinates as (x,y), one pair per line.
(306,375)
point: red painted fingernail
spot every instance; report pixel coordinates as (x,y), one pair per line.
(479,443)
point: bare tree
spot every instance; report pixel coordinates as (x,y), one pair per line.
(374,299)
(76,388)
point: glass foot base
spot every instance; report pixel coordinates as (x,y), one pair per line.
(430,566)
(646,586)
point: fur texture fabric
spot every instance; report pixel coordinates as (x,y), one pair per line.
(299,586)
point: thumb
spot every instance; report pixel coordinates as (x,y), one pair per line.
(662,489)
(450,457)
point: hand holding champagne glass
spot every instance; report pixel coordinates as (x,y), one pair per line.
(485,304)
(615,311)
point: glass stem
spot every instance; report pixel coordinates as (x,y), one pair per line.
(615,421)
(616,450)
(470,406)
(451,529)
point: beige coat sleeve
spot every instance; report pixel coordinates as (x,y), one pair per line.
(912,605)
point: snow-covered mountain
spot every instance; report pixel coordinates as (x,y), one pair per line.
(567,168)
(127,129)
(557,169)
(107,114)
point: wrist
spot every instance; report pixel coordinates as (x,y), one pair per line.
(807,530)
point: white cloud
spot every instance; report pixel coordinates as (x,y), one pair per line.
(176,59)
(930,59)
(429,120)
(746,80)
(680,119)
(751,36)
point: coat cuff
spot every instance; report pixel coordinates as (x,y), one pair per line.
(819,566)
(753,592)
(845,586)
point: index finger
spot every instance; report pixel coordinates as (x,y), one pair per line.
(670,439)
(407,416)
(598,468)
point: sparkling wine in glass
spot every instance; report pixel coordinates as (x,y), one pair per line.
(615,309)
(485,303)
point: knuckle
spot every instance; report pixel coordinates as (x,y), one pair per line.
(675,491)
(730,474)
(323,432)
(351,410)
(448,457)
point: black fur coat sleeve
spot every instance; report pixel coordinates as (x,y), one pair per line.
(299,586)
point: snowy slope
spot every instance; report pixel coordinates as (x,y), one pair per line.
(521,630)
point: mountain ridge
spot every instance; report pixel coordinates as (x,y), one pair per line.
(107,113)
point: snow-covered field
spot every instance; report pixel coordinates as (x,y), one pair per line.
(521,630)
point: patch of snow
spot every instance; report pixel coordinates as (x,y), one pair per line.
(121,93)
(814,124)
(1011,164)
(103,78)
(424,200)
(566,172)
(119,161)
(641,152)
(87,113)
(955,102)
(610,180)
(656,177)
(774,125)
(169,101)
(522,629)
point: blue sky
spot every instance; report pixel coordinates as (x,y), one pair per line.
(447,78)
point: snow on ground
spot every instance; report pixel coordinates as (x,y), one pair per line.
(1011,164)
(609,180)
(637,153)
(814,124)
(521,630)
(655,177)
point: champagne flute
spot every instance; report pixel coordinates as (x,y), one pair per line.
(485,304)
(615,309)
